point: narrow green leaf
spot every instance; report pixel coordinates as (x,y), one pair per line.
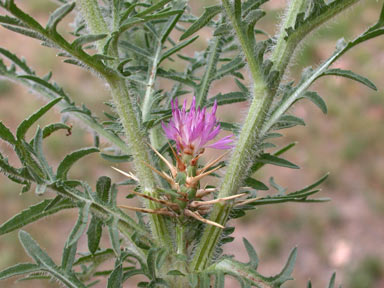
(103,188)
(68,258)
(233,127)
(286,273)
(25,32)
(16,60)
(94,234)
(34,213)
(26,124)
(49,129)
(116,277)
(267,158)
(220,280)
(6,134)
(161,257)
(116,158)
(153,8)
(175,273)
(46,263)
(350,75)
(86,39)
(114,236)
(236,64)
(80,225)
(172,21)
(19,269)
(228,98)
(71,159)
(38,148)
(237,10)
(34,250)
(5,19)
(287,121)
(310,187)
(173,75)
(253,258)
(176,48)
(53,202)
(207,16)
(332,281)
(255,184)
(58,15)
(51,87)
(151,262)
(317,100)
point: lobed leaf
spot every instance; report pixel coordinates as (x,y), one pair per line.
(58,15)
(317,100)
(27,123)
(103,188)
(94,233)
(46,263)
(115,279)
(204,19)
(351,75)
(255,184)
(78,43)
(16,60)
(69,160)
(267,158)
(19,269)
(80,226)
(34,213)
(6,134)
(253,258)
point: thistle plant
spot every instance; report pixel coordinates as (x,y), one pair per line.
(176,238)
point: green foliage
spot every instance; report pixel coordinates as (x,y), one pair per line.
(131,46)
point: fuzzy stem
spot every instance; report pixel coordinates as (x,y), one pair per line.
(240,159)
(146,107)
(251,130)
(285,48)
(94,19)
(92,14)
(180,238)
(140,155)
(213,58)
(280,51)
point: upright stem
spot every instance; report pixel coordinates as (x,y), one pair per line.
(213,58)
(140,155)
(122,100)
(240,161)
(94,19)
(180,239)
(146,107)
(280,52)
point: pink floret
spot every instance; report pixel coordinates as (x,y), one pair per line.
(193,129)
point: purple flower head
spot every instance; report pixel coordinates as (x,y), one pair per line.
(193,129)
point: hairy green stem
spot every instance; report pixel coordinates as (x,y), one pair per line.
(139,152)
(124,108)
(285,48)
(213,58)
(281,50)
(94,19)
(240,160)
(252,128)
(146,106)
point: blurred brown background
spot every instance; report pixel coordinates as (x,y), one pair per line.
(345,235)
